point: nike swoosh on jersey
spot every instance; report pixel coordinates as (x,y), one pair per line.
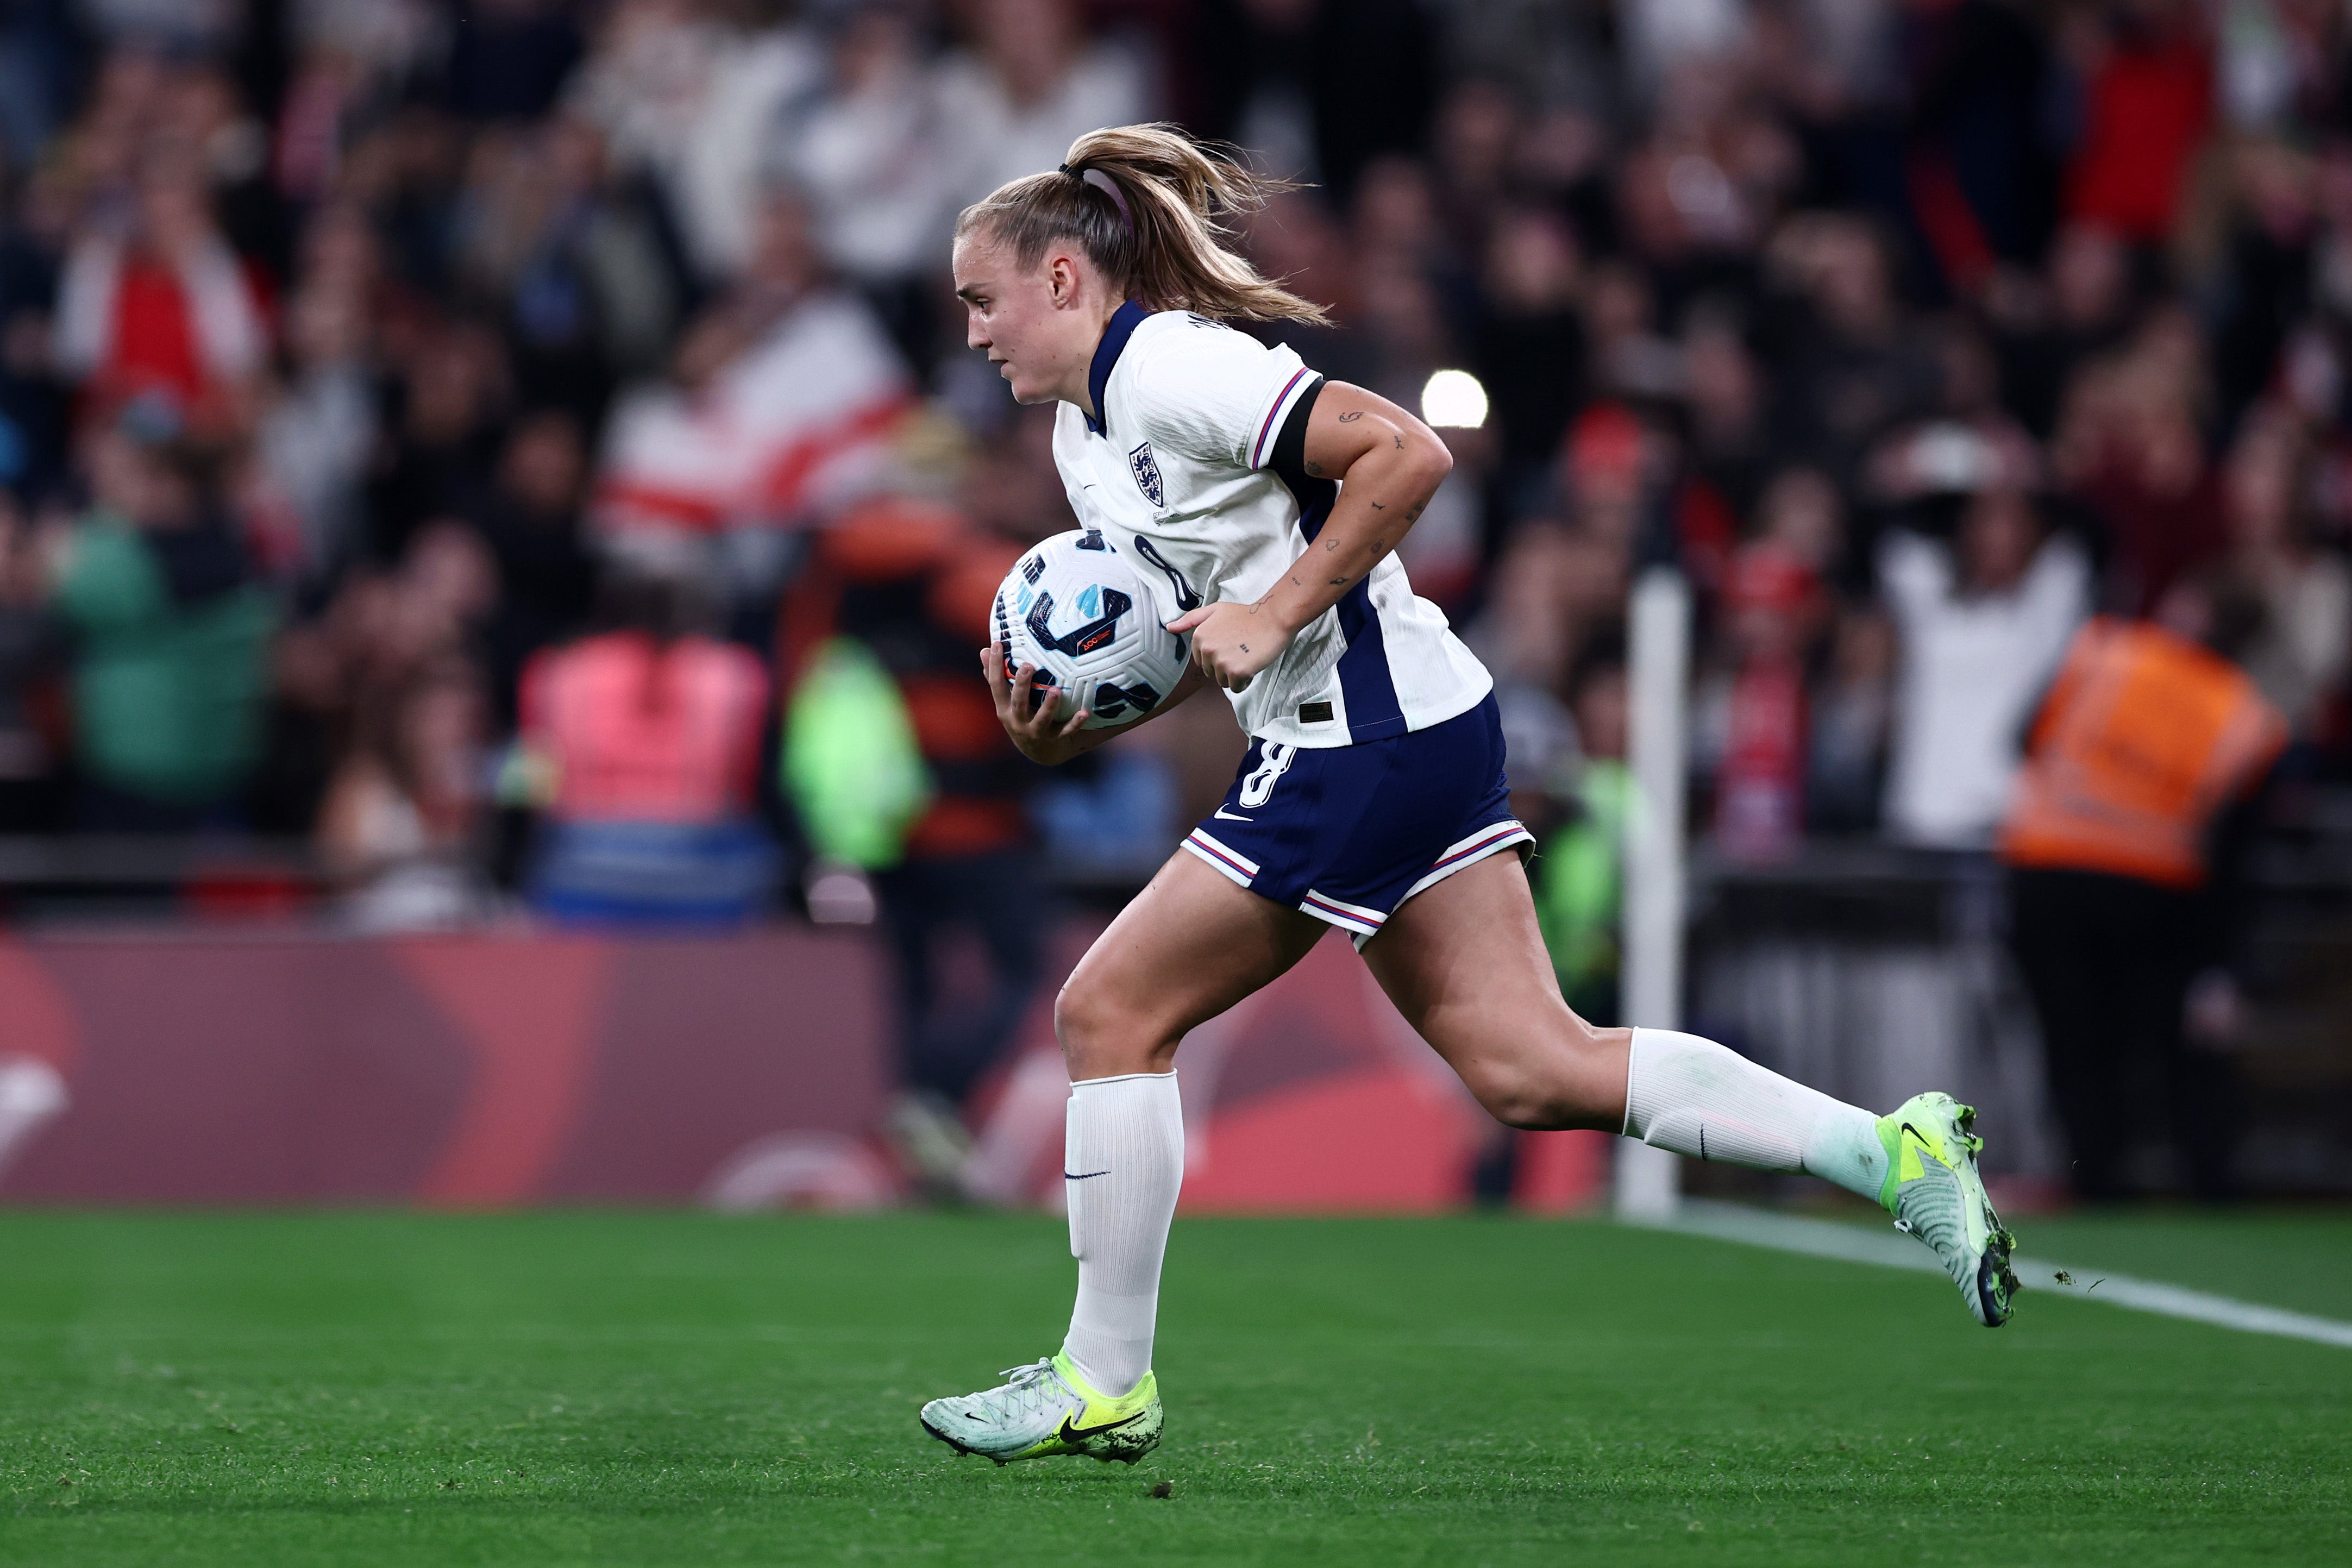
(1229,816)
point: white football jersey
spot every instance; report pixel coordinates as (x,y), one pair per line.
(1179,473)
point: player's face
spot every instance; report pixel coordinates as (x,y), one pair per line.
(1012,314)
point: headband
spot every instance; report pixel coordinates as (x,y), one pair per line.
(1104,183)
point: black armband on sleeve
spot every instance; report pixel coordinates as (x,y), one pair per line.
(1289,459)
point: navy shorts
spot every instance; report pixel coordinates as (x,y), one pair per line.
(1348,833)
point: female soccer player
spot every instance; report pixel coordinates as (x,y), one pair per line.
(1372,796)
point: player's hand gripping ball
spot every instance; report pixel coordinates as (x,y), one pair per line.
(1076,609)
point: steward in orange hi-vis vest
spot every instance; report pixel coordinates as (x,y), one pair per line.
(2145,737)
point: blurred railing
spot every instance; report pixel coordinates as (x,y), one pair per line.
(141,877)
(1873,971)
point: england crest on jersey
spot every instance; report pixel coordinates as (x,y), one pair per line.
(1147,475)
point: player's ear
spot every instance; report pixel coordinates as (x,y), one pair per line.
(1062,278)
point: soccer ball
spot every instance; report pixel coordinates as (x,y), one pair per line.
(1076,609)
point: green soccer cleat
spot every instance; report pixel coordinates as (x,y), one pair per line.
(1935,1194)
(1047,1409)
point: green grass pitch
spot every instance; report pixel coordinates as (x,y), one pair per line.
(680,1388)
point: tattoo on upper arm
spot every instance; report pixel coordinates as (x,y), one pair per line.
(1315,468)
(1377,506)
(1400,442)
(1350,417)
(1415,513)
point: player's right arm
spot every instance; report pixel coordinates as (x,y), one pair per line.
(1041,736)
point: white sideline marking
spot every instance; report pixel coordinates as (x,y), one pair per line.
(1851,1243)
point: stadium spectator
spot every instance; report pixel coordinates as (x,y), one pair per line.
(2046,326)
(167,305)
(1774,604)
(1852,715)
(871,148)
(397,825)
(688,95)
(575,259)
(1529,349)
(2299,659)
(1727,394)
(1320,88)
(315,437)
(30,795)
(2129,447)
(170,630)
(1981,625)
(529,517)
(780,402)
(1029,84)
(1856,369)
(453,395)
(2147,91)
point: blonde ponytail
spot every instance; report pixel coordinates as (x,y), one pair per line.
(1150,207)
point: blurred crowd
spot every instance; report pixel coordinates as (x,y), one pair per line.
(523,445)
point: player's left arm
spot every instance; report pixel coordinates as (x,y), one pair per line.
(1389,465)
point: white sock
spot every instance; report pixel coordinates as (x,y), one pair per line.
(1123,1159)
(1700,1098)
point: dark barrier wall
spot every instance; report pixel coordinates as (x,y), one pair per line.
(504,1069)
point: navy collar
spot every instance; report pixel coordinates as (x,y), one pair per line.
(1123,322)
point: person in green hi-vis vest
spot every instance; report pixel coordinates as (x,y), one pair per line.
(171,632)
(1580,870)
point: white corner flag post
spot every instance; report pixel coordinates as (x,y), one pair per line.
(1649,1180)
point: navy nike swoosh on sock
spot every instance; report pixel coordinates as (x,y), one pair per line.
(1090,1175)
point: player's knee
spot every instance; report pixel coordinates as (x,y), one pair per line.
(1564,1080)
(1076,1019)
(1099,1037)
(1517,1096)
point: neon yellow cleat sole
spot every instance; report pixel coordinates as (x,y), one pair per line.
(1935,1193)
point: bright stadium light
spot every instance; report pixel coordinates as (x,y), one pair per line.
(1454,398)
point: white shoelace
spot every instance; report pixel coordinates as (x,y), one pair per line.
(1028,1383)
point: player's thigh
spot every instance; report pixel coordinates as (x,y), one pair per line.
(1466,964)
(1185,949)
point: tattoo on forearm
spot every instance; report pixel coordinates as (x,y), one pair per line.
(1415,513)
(1351,416)
(1377,506)
(1400,442)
